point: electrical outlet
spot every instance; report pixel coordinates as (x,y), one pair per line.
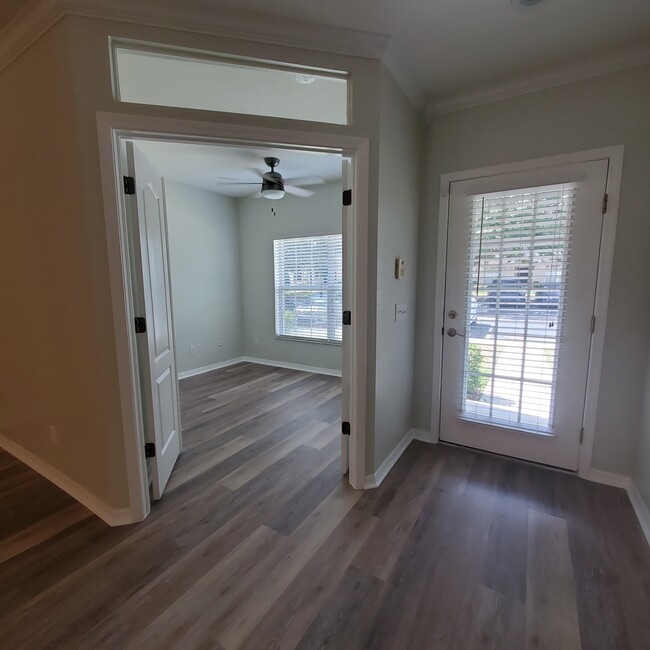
(192,350)
(54,435)
(256,341)
(220,344)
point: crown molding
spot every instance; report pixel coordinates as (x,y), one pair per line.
(631,57)
(405,78)
(197,17)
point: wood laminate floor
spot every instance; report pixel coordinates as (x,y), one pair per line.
(260,543)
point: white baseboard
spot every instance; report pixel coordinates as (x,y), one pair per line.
(374,480)
(607,478)
(641,510)
(422,435)
(112,516)
(293,366)
(213,366)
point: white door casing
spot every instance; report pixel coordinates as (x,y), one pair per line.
(159,383)
(560,444)
(347,218)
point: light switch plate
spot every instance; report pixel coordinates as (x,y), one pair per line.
(400,311)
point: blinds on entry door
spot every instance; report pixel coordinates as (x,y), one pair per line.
(517,266)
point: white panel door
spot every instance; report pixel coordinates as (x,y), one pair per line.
(520,285)
(346,347)
(156,346)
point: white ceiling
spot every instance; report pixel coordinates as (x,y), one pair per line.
(453,46)
(211,167)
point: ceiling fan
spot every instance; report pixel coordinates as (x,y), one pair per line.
(273,186)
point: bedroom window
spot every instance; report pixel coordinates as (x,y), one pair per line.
(308,288)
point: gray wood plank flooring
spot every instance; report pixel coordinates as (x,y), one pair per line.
(259,542)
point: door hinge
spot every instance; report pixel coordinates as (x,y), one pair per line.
(582,434)
(592,325)
(149,449)
(129,185)
(605,200)
(345,428)
(140,325)
(347,197)
(347,318)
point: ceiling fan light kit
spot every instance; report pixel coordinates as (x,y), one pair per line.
(274,186)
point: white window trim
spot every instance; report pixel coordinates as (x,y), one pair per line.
(615,157)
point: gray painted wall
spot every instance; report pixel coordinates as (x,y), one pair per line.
(205,271)
(399,168)
(608,110)
(296,217)
(641,474)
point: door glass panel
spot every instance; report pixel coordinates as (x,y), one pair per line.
(517,266)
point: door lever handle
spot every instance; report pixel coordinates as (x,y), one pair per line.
(453,332)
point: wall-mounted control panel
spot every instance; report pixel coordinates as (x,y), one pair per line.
(400,268)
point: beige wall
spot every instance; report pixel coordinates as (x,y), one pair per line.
(58,366)
(609,110)
(399,168)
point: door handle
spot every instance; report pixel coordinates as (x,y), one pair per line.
(453,332)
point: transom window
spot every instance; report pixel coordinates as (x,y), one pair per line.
(309,288)
(145,73)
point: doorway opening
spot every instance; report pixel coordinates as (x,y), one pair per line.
(304,276)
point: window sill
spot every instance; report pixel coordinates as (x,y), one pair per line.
(304,339)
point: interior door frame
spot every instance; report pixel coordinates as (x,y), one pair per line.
(113,129)
(614,155)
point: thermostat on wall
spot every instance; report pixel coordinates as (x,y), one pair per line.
(400,268)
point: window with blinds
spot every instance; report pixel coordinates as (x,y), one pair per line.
(309,288)
(517,265)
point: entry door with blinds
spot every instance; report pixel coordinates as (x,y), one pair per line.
(522,265)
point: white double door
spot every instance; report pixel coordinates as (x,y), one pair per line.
(156,354)
(521,272)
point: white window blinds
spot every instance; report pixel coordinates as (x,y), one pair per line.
(517,267)
(308,288)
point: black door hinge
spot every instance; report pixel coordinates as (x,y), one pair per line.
(140,325)
(347,318)
(129,185)
(605,202)
(347,197)
(345,428)
(149,449)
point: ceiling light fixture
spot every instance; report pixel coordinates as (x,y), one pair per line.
(272,183)
(305,79)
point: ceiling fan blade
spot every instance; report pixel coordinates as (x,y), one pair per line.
(257,195)
(298,191)
(305,180)
(264,175)
(239,183)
